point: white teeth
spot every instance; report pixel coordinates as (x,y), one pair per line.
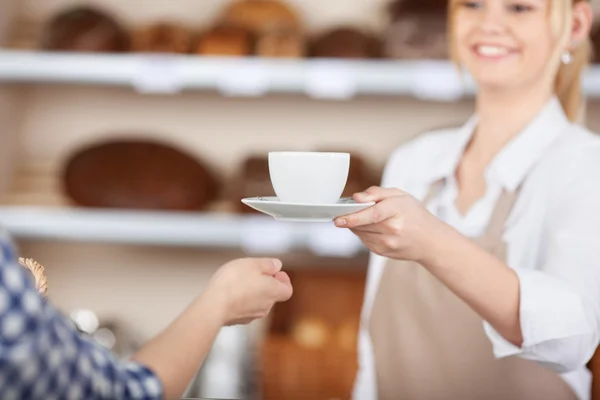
(492,50)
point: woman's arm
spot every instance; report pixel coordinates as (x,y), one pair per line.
(483,281)
(549,314)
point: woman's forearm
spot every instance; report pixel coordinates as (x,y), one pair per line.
(484,282)
(176,354)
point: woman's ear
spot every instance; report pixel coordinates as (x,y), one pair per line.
(583,18)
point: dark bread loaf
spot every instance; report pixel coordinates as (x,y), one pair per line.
(346,42)
(84,29)
(417,30)
(137,174)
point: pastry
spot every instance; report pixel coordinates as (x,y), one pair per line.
(138,174)
(162,37)
(84,29)
(261,15)
(287,43)
(225,41)
(311,333)
(36,271)
(346,42)
(417,30)
(347,335)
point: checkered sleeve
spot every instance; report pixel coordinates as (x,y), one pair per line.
(43,356)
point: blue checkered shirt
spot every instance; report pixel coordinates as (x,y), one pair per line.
(43,356)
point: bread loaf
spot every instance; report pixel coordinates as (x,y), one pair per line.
(138,174)
(84,29)
(163,37)
(346,42)
(225,41)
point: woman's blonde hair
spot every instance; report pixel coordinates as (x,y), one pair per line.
(567,83)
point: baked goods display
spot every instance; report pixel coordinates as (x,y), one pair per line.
(163,37)
(138,174)
(282,43)
(260,16)
(262,28)
(310,349)
(84,29)
(417,30)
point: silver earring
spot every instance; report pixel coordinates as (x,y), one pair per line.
(566,57)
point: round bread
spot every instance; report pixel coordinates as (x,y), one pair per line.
(401,8)
(84,29)
(311,333)
(418,29)
(162,37)
(261,15)
(225,41)
(346,42)
(282,43)
(138,175)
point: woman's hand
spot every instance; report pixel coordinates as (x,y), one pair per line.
(398,226)
(246,289)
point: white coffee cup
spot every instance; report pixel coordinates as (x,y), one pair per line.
(308,177)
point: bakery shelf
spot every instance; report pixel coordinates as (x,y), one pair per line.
(319,78)
(253,234)
(35,208)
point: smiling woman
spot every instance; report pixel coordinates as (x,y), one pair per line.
(484,281)
(541,30)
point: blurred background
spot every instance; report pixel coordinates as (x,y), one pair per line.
(180,100)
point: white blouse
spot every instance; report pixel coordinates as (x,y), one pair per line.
(552,235)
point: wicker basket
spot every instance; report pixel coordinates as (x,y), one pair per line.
(324,367)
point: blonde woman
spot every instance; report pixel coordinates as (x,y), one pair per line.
(485,278)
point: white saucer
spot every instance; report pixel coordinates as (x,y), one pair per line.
(298,212)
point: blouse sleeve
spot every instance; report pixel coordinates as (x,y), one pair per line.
(43,356)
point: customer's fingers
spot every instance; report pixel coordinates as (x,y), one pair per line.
(269,266)
(283,277)
(281,285)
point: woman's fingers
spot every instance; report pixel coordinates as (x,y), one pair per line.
(377,194)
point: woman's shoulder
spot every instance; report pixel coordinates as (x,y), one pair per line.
(578,148)
(572,163)
(425,145)
(413,160)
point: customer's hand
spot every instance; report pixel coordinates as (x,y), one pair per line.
(246,289)
(398,226)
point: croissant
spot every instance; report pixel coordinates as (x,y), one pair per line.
(37,270)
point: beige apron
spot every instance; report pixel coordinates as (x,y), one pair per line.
(429,345)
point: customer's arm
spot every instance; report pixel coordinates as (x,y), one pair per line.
(43,356)
(240,292)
